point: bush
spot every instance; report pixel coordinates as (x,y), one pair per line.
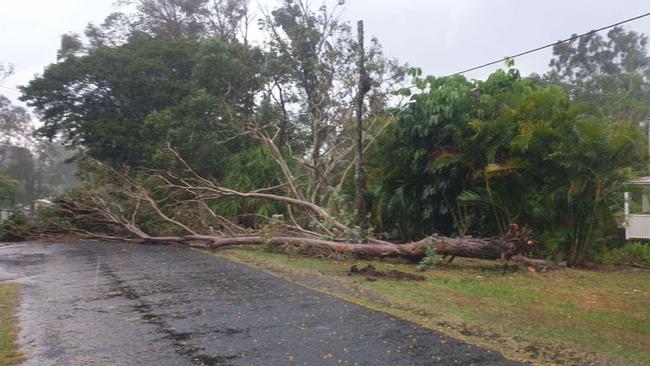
(631,253)
(16,228)
(430,260)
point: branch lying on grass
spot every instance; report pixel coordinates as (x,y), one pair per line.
(637,265)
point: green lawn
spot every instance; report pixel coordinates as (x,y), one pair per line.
(568,317)
(9,354)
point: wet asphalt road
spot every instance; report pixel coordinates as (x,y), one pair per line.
(121,304)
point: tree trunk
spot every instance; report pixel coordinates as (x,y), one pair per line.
(502,247)
(495,248)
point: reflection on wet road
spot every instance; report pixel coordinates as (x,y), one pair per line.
(122,304)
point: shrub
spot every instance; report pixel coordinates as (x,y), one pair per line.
(631,253)
(430,260)
(15,228)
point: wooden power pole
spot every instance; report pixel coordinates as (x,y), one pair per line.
(359,176)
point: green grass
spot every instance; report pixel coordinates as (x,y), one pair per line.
(568,317)
(9,353)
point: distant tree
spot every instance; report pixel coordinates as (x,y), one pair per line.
(29,168)
(227,18)
(612,73)
(5,71)
(15,126)
(54,169)
(10,190)
(114,31)
(40,169)
(176,19)
(21,166)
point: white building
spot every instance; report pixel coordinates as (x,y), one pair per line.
(637,209)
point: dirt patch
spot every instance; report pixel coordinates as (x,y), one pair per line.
(371,272)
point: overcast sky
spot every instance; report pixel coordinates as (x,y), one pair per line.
(441,36)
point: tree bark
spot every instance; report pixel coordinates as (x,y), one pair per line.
(493,248)
(503,247)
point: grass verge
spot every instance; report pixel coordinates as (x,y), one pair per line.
(565,317)
(9,353)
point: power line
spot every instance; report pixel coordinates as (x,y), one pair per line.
(552,44)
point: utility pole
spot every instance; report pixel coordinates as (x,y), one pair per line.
(647,125)
(359,174)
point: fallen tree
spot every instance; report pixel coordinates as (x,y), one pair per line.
(113,214)
(505,247)
(514,243)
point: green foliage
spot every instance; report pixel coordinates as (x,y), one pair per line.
(446,147)
(482,155)
(10,189)
(99,100)
(431,259)
(123,103)
(631,253)
(177,73)
(254,169)
(413,202)
(16,228)
(461,157)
